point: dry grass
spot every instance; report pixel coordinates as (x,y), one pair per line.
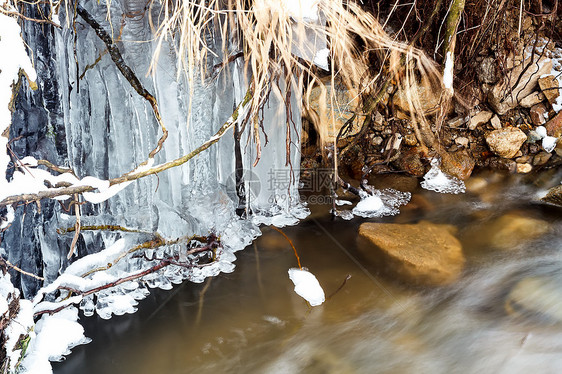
(267,33)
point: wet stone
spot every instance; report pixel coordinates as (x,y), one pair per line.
(507,232)
(554,196)
(524,168)
(541,158)
(422,253)
(499,163)
(458,164)
(411,163)
(536,298)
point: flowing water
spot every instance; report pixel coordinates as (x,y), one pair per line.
(503,315)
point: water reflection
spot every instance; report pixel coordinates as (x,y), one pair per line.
(494,319)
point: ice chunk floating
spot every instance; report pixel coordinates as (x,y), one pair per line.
(307,286)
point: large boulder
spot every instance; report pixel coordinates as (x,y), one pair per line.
(422,253)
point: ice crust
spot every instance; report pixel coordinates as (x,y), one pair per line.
(436,180)
(380,203)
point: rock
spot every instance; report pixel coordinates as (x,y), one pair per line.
(487,71)
(429,100)
(479,119)
(538,112)
(410,140)
(377,140)
(500,163)
(423,253)
(549,87)
(462,141)
(398,182)
(495,122)
(458,164)
(538,298)
(506,232)
(533,137)
(476,184)
(411,162)
(541,158)
(523,159)
(520,82)
(456,122)
(347,104)
(532,99)
(554,126)
(506,142)
(558,148)
(554,196)
(524,168)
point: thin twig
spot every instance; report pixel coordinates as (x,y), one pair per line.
(291,243)
(7,263)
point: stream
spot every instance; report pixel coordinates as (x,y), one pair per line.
(503,315)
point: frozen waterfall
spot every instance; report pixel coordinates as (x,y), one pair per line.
(86,116)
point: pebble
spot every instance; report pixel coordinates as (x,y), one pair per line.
(524,168)
(462,141)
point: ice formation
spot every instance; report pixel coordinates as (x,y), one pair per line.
(101,128)
(57,334)
(307,286)
(436,180)
(380,203)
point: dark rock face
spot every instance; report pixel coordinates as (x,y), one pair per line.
(37,130)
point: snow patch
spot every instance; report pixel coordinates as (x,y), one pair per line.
(321,58)
(57,334)
(448,72)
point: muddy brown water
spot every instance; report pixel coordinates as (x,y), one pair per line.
(251,321)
